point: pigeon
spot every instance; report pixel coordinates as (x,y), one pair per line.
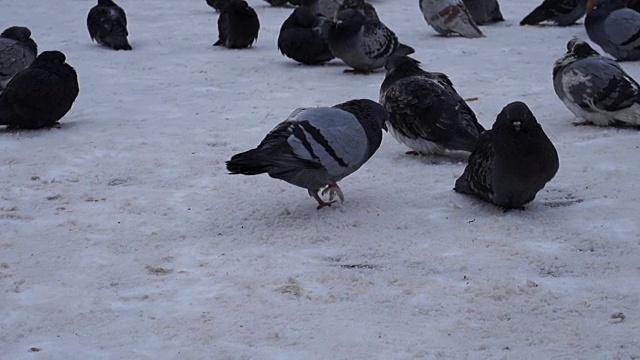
(217,5)
(512,161)
(17,51)
(361,5)
(560,12)
(317,147)
(107,24)
(615,28)
(363,43)
(595,88)
(450,17)
(426,112)
(238,25)
(41,94)
(484,11)
(327,8)
(303,37)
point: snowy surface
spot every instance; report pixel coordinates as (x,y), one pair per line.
(123,237)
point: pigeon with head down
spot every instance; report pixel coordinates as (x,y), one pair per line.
(303,37)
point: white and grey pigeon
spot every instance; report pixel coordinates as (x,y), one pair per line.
(615,28)
(107,24)
(512,162)
(560,12)
(426,113)
(484,11)
(449,17)
(317,147)
(595,88)
(17,51)
(363,43)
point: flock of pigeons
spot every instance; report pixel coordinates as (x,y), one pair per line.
(314,148)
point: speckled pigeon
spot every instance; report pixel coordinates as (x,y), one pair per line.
(615,28)
(17,51)
(238,25)
(560,12)
(107,24)
(449,17)
(317,147)
(303,37)
(484,11)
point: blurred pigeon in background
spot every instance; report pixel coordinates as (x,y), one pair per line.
(449,17)
(238,25)
(484,11)
(560,12)
(17,51)
(107,24)
(615,28)
(303,37)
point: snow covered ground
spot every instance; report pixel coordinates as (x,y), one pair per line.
(123,237)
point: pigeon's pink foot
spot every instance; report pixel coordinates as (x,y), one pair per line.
(321,203)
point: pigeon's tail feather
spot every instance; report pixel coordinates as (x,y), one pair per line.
(118,38)
(248,163)
(403,50)
(537,16)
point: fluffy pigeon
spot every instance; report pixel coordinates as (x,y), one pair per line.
(17,51)
(41,94)
(303,37)
(363,43)
(217,5)
(512,161)
(361,5)
(426,112)
(595,88)
(238,25)
(326,8)
(484,11)
(317,147)
(615,28)
(450,17)
(560,12)
(107,24)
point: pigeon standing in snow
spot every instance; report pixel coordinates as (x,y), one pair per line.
(238,25)
(426,112)
(512,161)
(363,43)
(17,51)
(107,24)
(361,5)
(327,8)
(484,11)
(41,94)
(615,28)
(560,12)
(595,88)
(317,147)
(450,17)
(303,37)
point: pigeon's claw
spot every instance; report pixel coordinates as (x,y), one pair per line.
(321,203)
(334,190)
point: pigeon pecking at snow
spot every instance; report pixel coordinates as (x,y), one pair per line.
(238,25)
(317,147)
(595,88)
(17,51)
(41,94)
(363,43)
(512,161)
(426,112)
(303,37)
(615,28)
(449,17)
(107,24)
(560,12)
(484,11)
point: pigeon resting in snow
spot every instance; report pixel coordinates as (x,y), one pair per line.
(107,24)
(615,28)
(41,94)
(426,112)
(595,88)
(361,5)
(449,17)
(511,162)
(363,43)
(326,8)
(17,51)
(560,12)
(303,37)
(484,11)
(238,25)
(317,147)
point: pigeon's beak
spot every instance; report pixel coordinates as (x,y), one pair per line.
(516,125)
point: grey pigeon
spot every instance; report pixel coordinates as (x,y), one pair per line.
(317,147)
(560,12)
(238,25)
(363,43)
(217,5)
(303,37)
(615,28)
(484,11)
(449,17)
(41,94)
(595,88)
(426,113)
(17,51)
(327,8)
(364,7)
(107,24)
(512,161)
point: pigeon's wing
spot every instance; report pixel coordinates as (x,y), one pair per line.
(378,41)
(622,28)
(33,92)
(13,58)
(121,16)
(459,20)
(96,21)
(476,178)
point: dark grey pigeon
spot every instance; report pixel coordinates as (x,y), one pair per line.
(41,94)
(317,147)
(595,88)
(484,11)
(615,28)
(327,8)
(238,25)
(363,43)
(217,5)
(560,12)
(364,7)
(426,113)
(512,161)
(107,24)
(17,51)
(303,37)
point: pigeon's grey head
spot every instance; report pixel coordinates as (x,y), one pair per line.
(349,18)
(580,49)
(19,33)
(516,116)
(50,57)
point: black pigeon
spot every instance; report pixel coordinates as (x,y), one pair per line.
(426,113)
(217,5)
(512,161)
(41,94)
(238,25)
(107,24)
(560,12)
(17,51)
(303,37)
